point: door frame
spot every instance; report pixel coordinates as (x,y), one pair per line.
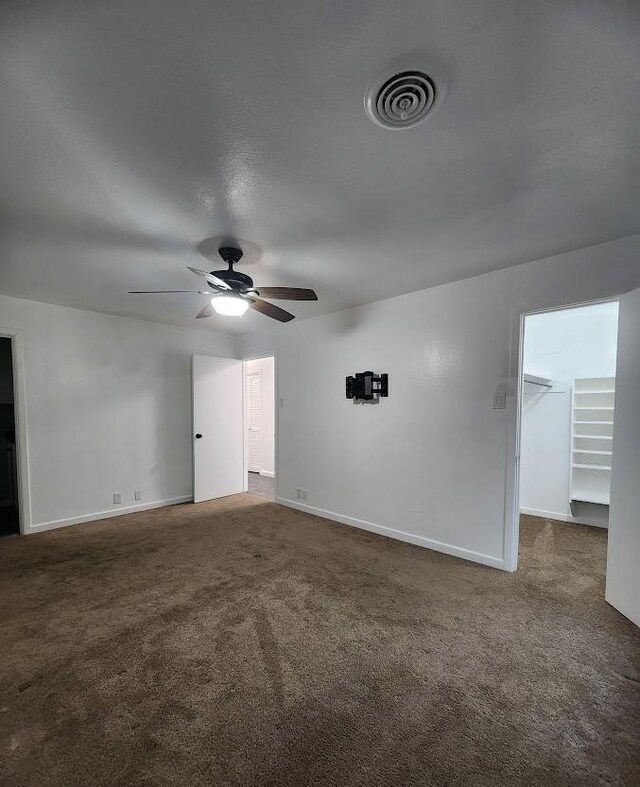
(16,336)
(245,417)
(511,535)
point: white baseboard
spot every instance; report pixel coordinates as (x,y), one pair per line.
(576,520)
(400,535)
(268,473)
(120,511)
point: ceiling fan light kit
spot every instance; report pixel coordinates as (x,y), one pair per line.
(229,305)
(234,292)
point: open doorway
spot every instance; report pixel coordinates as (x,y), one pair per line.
(259,391)
(9,517)
(566,439)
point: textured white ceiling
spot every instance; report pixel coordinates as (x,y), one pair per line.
(131,131)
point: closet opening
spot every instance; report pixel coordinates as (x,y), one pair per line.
(9,510)
(260,426)
(566,438)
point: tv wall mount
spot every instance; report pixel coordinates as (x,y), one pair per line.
(367,387)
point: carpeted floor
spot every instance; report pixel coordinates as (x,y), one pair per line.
(241,643)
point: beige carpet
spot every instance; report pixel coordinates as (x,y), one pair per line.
(241,643)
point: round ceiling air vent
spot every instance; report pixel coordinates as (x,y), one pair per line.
(402,100)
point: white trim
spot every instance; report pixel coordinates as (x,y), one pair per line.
(511,533)
(276,412)
(245,429)
(399,535)
(519,312)
(276,420)
(20,415)
(575,520)
(76,520)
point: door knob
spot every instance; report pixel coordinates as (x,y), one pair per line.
(198,436)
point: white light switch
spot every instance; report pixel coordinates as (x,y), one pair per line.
(500,400)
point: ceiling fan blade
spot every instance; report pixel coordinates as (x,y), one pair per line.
(264,307)
(287,293)
(214,281)
(206,312)
(147,292)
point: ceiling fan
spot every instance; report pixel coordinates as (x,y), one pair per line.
(233,292)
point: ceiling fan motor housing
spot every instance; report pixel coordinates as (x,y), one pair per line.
(237,280)
(230,254)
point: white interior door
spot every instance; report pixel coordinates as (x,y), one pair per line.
(254,418)
(623,559)
(218,445)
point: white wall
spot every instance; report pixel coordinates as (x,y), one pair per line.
(433,463)
(108,407)
(265,367)
(562,346)
(623,576)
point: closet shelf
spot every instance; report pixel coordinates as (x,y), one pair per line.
(595,391)
(534,379)
(593,398)
(591,497)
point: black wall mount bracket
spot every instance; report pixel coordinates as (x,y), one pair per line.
(367,387)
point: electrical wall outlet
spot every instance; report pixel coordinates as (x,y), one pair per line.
(137,495)
(117,498)
(304,494)
(298,494)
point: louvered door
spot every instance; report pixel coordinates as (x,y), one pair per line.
(254,406)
